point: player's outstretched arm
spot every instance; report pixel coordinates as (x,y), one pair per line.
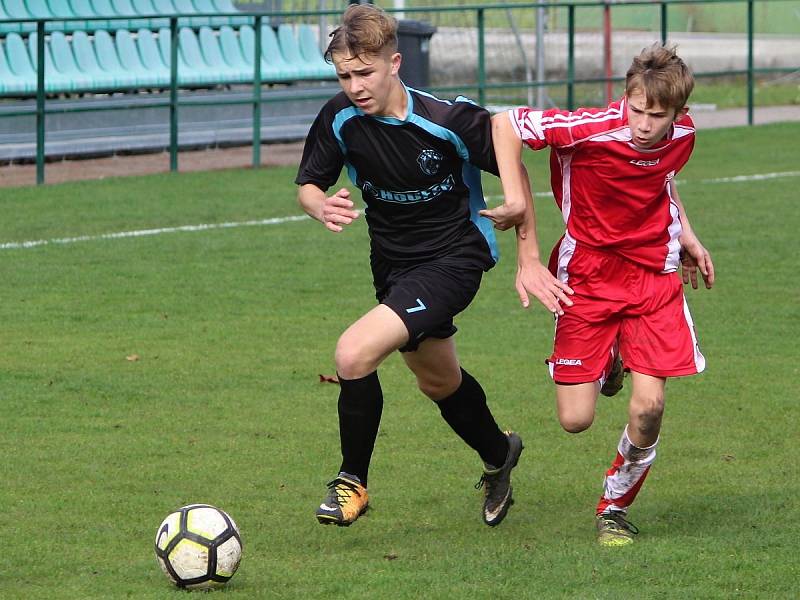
(694,256)
(332,211)
(533,278)
(513,175)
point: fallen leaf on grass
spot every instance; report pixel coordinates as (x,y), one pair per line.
(328,379)
(132,358)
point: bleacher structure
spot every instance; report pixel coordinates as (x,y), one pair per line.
(91,54)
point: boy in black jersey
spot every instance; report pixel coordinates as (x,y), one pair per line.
(416,160)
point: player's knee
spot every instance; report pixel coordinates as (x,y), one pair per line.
(352,361)
(646,412)
(438,388)
(575,423)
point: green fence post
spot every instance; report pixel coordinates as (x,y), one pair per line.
(481,58)
(40,114)
(750,79)
(664,24)
(257,97)
(173,94)
(571,57)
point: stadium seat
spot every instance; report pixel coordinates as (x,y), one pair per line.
(187,74)
(16,9)
(148,8)
(104,8)
(19,60)
(54,80)
(64,62)
(212,55)
(226,6)
(129,59)
(108,59)
(84,8)
(294,57)
(207,6)
(86,59)
(40,10)
(186,8)
(273,67)
(61,9)
(232,51)
(309,48)
(12,84)
(124,8)
(151,55)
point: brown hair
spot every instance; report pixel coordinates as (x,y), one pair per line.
(662,76)
(365,29)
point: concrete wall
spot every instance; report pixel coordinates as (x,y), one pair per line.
(454,54)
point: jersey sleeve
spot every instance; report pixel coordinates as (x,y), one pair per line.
(561,128)
(473,124)
(323,158)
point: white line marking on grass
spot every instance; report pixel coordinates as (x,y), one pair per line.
(758,177)
(147,232)
(292,218)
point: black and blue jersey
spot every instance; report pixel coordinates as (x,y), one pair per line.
(419,177)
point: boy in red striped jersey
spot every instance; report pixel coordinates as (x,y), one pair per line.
(612,281)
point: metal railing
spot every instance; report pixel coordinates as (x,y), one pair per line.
(259,98)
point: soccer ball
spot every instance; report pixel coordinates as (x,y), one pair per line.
(198,546)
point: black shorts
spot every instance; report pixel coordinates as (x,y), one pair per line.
(426,296)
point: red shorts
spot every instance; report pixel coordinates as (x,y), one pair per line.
(618,301)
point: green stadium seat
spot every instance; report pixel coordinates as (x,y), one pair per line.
(16,9)
(104,8)
(64,62)
(129,59)
(212,55)
(189,75)
(226,6)
(193,57)
(86,59)
(12,84)
(151,56)
(62,9)
(294,57)
(84,8)
(54,80)
(232,51)
(309,48)
(107,57)
(40,10)
(186,8)
(124,8)
(273,67)
(19,60)
(4,26)
(207,6)
(146,7)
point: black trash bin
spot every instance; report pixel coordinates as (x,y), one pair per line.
(414,43)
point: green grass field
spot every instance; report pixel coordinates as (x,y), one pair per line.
(232,327)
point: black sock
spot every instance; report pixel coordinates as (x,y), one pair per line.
(466,412)
(360,408)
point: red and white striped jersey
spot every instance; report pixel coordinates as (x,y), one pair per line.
(613,195)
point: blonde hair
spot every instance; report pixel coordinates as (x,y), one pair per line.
(662,76)
(365,29)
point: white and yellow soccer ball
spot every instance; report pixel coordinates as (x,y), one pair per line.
(198,546)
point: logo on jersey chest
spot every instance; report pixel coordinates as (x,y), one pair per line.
(426,195)
(645,163)
(429,161)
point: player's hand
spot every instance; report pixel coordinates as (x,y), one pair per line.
(504,216)
(536,280)
(337,210)
(694,257)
